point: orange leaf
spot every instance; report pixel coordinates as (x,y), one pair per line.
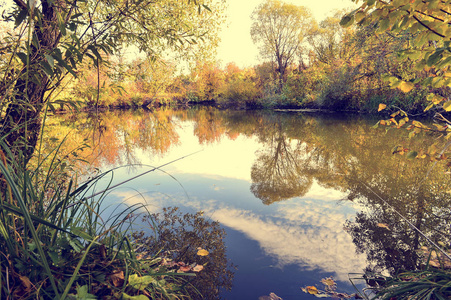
(312,290)
(186,268)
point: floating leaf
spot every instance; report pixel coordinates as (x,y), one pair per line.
(383,225)
(185,268)
(381,106)
(312,290)
(202,252)
(198,268)
(328,281)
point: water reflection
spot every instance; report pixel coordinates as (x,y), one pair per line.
(299,166)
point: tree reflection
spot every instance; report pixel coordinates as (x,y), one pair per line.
(276,173)
(180,236)
(113,137)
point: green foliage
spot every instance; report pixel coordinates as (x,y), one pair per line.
(425,284)
(57,242)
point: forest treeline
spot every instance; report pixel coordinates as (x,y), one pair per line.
(336,68)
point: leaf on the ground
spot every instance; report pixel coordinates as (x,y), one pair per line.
(117,278)
(412,154)
(26,282)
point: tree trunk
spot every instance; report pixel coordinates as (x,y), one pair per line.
(22,121)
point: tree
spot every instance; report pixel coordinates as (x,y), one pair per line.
(429,21)
(51,38)
(280,29)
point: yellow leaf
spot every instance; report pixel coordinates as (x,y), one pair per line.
(383,225)
(381,107)
(406,87)
(202,252)
(328,281)
(447,105)
(312,290)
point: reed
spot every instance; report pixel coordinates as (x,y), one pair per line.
(57,243)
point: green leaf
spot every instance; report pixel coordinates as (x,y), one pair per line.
(47,68)
(50,60)
(140,283)
(347,21)
(82,293)
(434,58)
(23,57)
(20,17)
(139,297)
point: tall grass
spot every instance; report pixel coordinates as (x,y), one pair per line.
(57,243)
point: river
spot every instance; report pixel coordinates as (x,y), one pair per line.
(301,196)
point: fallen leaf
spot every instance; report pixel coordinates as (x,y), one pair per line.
(381,107)
(185,268)
(26,282)
(117,278)
(198,268)
(202,252)
(383,225)
(328,281)
(312,290)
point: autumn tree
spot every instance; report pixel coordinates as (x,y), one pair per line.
(51,38)
(280,29)
(429,22)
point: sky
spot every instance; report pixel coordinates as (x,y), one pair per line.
(236,43)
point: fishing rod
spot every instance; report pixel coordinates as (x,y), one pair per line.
(130,179)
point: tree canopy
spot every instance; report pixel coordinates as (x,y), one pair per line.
(279,29)
(429,22)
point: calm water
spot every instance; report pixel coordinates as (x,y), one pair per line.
(295,193)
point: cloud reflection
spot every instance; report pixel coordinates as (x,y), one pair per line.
(304,232)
